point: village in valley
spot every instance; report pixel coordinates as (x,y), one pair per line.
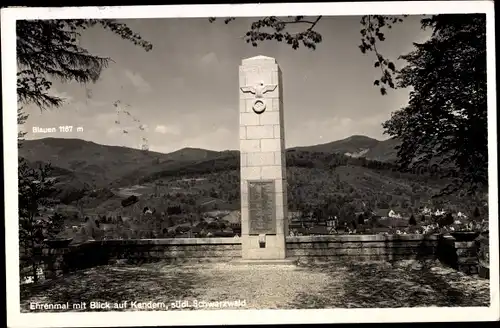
(213,217)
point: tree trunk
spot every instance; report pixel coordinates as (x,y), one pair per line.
(33,258)
(31,236)
(34,267)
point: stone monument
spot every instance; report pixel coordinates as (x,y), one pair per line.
(264,223)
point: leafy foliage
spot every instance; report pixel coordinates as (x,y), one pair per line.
(371,32)
(476,213)
(445,220)
(413,221)
(274,28)
(446,119)
(35,190)
(21,118)
(50,48)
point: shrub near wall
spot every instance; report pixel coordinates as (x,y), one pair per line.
(461,255)
(483,247)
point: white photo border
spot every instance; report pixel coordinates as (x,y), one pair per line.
(432,314)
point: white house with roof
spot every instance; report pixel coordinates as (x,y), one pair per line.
(393,214)
(439,212)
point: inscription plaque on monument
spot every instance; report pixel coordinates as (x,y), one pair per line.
(261,207)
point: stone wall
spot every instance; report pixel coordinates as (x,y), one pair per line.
(60,260)
(460,255)
(367,247)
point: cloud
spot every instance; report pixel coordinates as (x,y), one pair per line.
(170,129)
(138,81)
(210,59)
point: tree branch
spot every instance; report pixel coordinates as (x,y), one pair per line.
(315,22)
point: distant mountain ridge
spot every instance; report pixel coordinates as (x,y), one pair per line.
(359,146)
(103,165)
(54,149)
(353,144)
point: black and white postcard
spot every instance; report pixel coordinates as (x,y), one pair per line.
(254,163)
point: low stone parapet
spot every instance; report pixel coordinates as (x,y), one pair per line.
(57,261)
(460,255)
(369,247)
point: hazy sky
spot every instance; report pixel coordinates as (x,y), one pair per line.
(185,91)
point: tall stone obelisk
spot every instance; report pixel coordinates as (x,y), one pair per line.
(264,223)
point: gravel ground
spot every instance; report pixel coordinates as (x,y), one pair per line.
(330,285)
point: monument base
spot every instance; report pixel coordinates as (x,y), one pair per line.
(263,247)
(289,261)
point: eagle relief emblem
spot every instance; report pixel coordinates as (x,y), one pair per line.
(259,90)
